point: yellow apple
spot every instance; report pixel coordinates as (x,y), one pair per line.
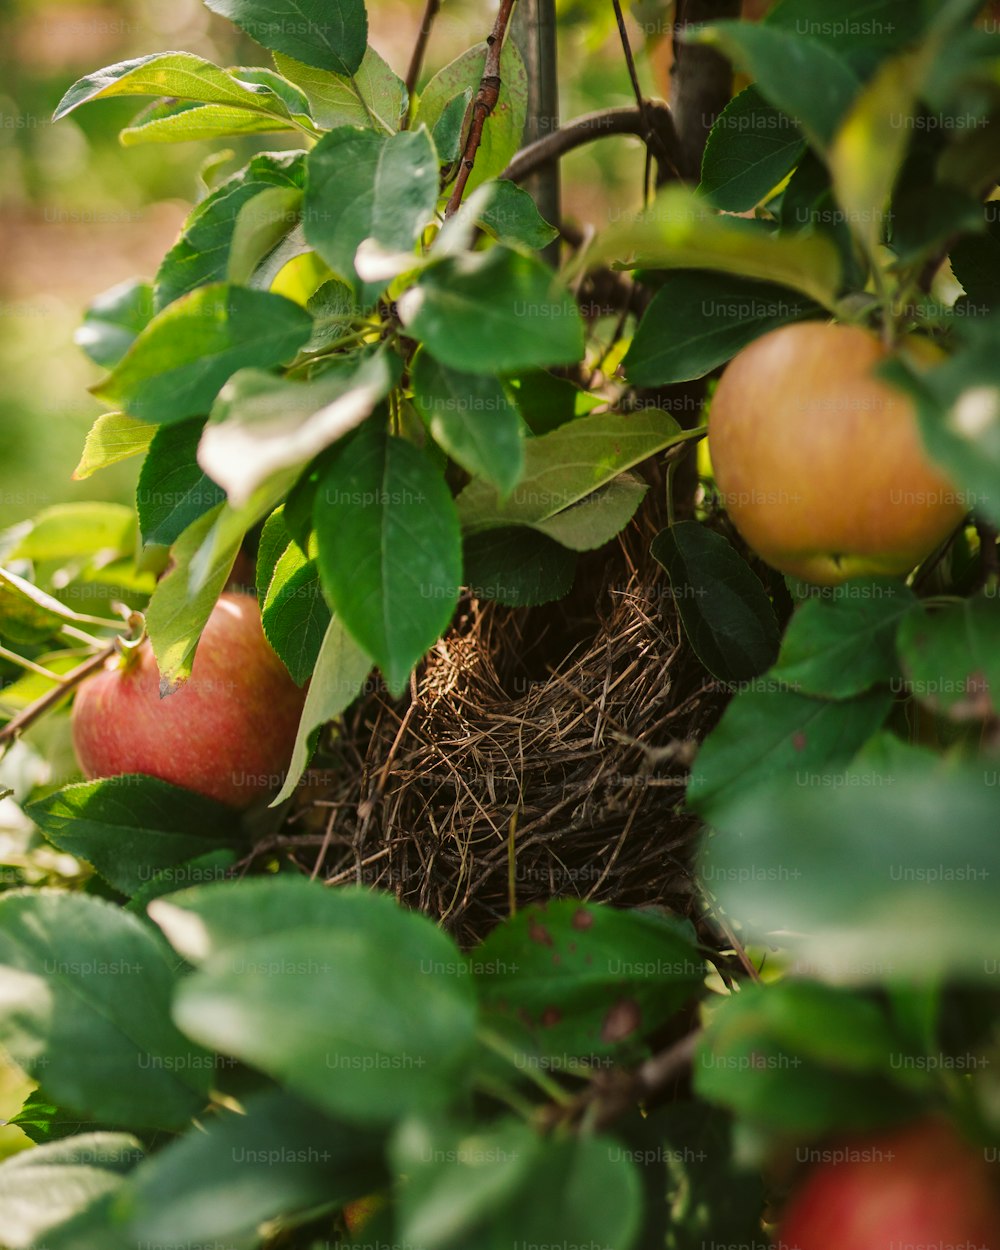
(820,464)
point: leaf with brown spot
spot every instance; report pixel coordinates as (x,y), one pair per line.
(592,980)
(951,657)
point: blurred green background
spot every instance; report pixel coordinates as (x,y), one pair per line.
(79,213)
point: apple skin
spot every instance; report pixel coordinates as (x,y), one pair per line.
(820,464)
(226,733)
(919,1185)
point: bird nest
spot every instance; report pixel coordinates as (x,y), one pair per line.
(540,752)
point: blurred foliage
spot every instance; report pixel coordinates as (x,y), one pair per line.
(79,213)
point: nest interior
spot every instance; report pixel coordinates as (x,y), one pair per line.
(541,752)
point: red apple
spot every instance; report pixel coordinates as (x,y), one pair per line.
(820,463)
(226,733)
(920,1185)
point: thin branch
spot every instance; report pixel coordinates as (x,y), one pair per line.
(606,1099)
(649,133)
(417,59)
(483,105)
(659,1070)
(614,121)
(27,716)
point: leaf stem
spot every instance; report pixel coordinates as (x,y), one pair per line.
(552,1089)
(30,665)
(650,135)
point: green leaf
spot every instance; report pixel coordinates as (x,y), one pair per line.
(41,1121)
(92,1227)
(808,208)
(261,224)
(698,320)
(333,309)
(884,846)
(951,657)
(131,828)
(207,922)
(843,643)
(799,1058)
(794,72)
(68,530)
(546,401)
(727,616)
(203,559)
(178,364)
(173,491)
(261,423)
(377,1008)
(774,732)
(517,567)
(363,185)
(294,98)
(43,1187)
(112,438)
(329,34)
(180,75)
(389,549)
(680,231)
(597,518)
(579,979)
(512,217)
(203,252)
(295,615)
(274,538)
(958,408)
(177,612)
(186,121)
(927,216)
(113,321)
(505,1185)
(339,675)
(85,992)
(374,97)
(858,24)
(567,466)
(472,419)
(448,127)
(213,866)
(494,312)
(277,1160)
(28,616)
(871,144)
(752,147)
(505,126)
